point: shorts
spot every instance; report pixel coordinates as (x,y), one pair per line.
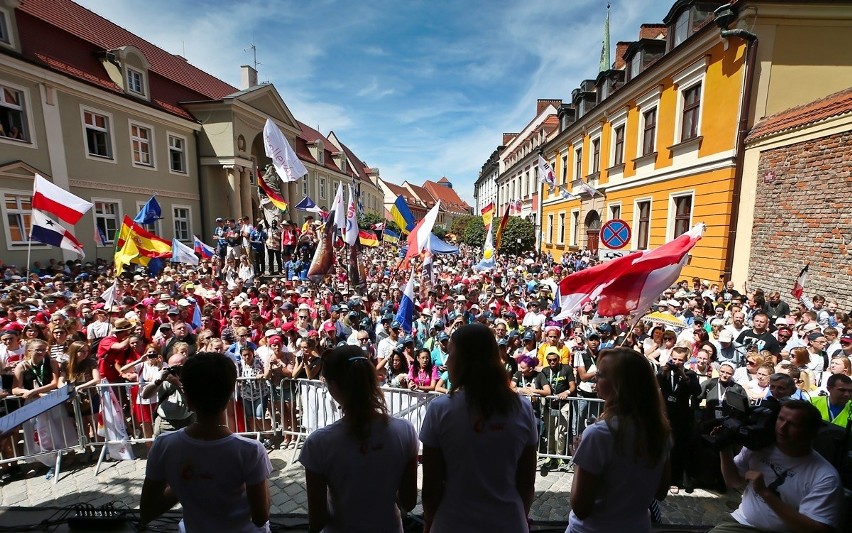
(144,412)
(256,407)
(283,393)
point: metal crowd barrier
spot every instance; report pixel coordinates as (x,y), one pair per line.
(561,423)
(45,438)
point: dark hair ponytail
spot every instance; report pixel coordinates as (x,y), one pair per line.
(356,378)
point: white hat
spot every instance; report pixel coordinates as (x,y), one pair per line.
(726,336)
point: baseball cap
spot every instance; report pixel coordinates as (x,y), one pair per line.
(443,337)
(395,324)
(529,336)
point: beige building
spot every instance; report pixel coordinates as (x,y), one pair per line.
(114,119)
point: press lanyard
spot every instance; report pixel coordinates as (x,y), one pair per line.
(831,415)
(39,376)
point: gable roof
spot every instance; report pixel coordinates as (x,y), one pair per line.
(309,135)
(67,38)
(832,105)
(421,194)
(358,166)
(450,199)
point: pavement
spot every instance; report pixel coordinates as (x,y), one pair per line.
(120,483)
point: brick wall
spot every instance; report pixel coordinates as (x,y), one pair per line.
(803,214)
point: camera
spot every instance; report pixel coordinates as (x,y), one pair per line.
(746,425)
(172,370)
(671,365)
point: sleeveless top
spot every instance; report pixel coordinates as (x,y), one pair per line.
(38,375)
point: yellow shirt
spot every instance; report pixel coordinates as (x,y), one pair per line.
(564,354)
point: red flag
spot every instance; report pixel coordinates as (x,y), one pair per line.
(799,286)
(629,283)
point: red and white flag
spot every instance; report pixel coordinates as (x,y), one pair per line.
(630,283)
(799,286)
(57,201)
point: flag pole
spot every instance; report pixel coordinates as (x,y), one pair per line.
(29,250)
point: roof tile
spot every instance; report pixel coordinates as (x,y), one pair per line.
(832,105)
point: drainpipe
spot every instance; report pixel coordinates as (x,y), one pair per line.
(201,191)
(724,16)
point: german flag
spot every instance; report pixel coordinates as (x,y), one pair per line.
(274,197)
(368,238)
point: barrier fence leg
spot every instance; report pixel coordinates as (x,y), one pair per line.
(100,460)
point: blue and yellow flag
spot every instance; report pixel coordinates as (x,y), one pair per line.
(389,236)
(400,214)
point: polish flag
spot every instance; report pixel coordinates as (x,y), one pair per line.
(57,201)
(628,284)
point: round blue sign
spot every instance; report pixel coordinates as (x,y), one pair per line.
(615,234)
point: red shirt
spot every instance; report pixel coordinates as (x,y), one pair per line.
(109,359)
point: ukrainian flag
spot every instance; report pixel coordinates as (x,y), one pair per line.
(402,215)
(390,237)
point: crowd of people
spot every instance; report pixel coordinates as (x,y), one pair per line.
(253,302)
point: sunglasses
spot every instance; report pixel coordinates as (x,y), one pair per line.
(549,360)
(303,316)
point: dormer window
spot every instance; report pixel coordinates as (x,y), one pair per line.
(4,29)
(128,68)
(686,17)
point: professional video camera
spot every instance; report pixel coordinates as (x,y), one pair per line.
(749,426)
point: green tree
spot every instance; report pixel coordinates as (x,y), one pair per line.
(367,219)
(517,228)
(459,224)
(474,232)
(440,232)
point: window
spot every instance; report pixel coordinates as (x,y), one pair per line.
(649,131)
(135,81)
(322,188)
(106,218)
(140,143)
(683,215)
(549,228)
(13,119)
(691,110)
(578,164)
(97,134)
(564,168)
(618,156)
(635,64)
(643,225)
(4,29)
(561,235)
(305,187)
(596,155)
(182,229)
(575,227)
(177,154)
(681,29)
(18,208)
(614,212)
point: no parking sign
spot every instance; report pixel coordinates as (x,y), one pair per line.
(615,234)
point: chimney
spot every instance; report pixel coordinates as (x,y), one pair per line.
(542,103)
(652,31)
(507,138)
(620,49)
(248,77)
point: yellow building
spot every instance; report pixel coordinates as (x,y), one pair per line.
(659,136)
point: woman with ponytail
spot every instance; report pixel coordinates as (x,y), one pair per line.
(479,443)
(360,467)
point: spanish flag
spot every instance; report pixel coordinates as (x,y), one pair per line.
(148,244)
(368,238)
(498,238)
(273,196)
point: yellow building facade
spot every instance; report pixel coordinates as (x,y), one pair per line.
(657,136)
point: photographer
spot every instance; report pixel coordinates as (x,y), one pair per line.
(172,410)
(788,486)
(678,386)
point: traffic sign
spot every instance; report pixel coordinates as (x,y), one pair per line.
(615,234)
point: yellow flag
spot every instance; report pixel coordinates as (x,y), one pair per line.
(127,253)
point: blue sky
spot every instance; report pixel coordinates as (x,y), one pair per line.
(419,89)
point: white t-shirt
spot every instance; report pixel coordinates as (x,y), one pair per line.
(209,478)
(385,348)
(481,461)
(363,480)
(627,485)
(809,484)
(532,320)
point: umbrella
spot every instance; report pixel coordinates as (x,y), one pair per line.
(666,319)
